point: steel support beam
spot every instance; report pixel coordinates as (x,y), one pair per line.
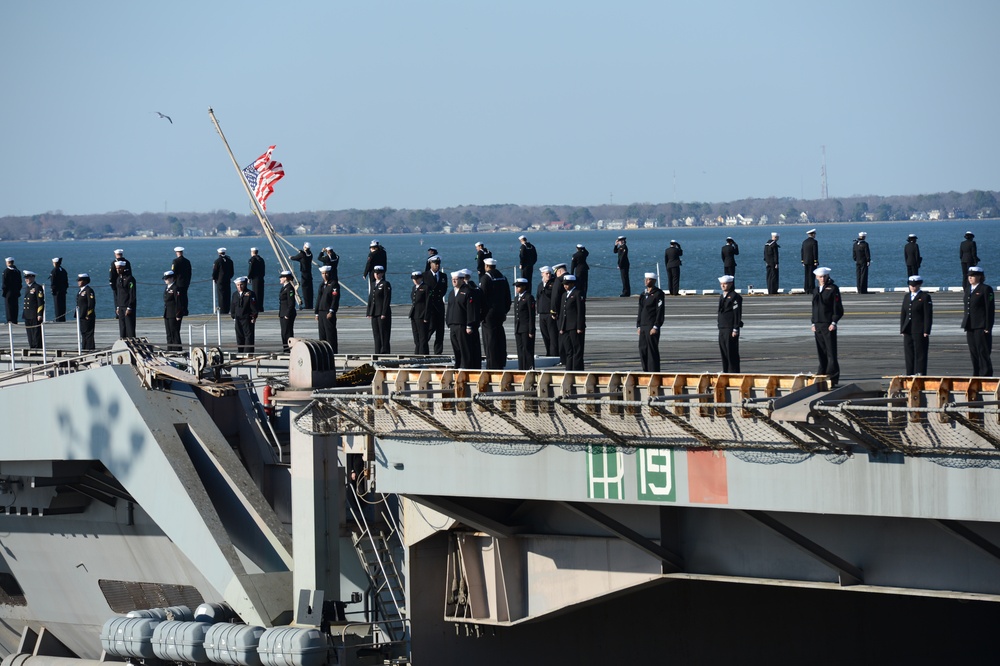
(849,574)
(672,563)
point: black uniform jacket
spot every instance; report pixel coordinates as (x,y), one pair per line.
(380,300)
(650,309)
(980,310)
(524,313)
(917,314)
(420,302)
(827,306)
(730,311)
(573,312)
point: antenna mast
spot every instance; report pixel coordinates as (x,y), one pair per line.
(823,194)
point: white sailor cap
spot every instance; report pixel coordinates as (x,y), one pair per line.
(328,248)
(913,236)
(240,280)
(466,273)
(811,231)
(914,278)
(521,281)
(862,234)
(27,273)
(432,250)
(9,259)
(649,276)
(478,243)
(379,269)
(374,243)
(121,264)
(620,238)
(729,238)
(306,245)
(672,241)
(977,270)
(774,234)
(569,278)
(969,234)
(436,259)
(325,269)
(545,269)
(457,274)
(253,249)
(556,267)
(490,261)
(415,274)
(726,278)
(286,274)
(178,249)
(522,237)
(579,246)
(83,276)
(167,274)
(56,260)
(221,250)
(822,270)
(119,251)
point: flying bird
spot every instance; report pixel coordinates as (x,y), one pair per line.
(164,116)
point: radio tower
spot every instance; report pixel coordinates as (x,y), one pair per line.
(823,193)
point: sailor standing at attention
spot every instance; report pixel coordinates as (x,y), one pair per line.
(420,296)
(911,254)
(621,249)
(380,311)
(327,305)
(256,269)
(915,319)
(59,285)
(862,260)
(810,260)
(543,305)
(980,314)
(86,311)
(125,300)
(113,273)
(286,307)
(527,257)
(182,275)
(244,311)
(223,271)
(729,252)
(437,283)
(730,321)
(827,310)
(173,311)
(524,324)
(968,254)
(672,259)
(771,248)
(648,323)
(455,316)
(11,289)
(572,324)
(33,311)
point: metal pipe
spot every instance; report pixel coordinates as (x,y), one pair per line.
(10,336)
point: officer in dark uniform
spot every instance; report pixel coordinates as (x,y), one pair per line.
(420,297)
(810,260)
(572,324)
(827,310)
(59,285)
(581,269)
(730,321)
(555,305)
(911,254)
(330,258)
(862,260)
(33,312)
(376,257)
(437,283)
(482,254)
(11,289)
(672,259)
(113,273)
(223,271)
(475,307)
(182,275)
(543,306)
(327,306)
(86,312)
(256,269)
(648,323)
(496,305)
(125,301)
(980,314)
(915,319)
(524,324)
(621,249)
(968,254)
(380,311)
(729,252)
(431,251)
(455,316)
(527,258)
(173,311)
(244,311)
(287,307)
(771,248)
(305,259)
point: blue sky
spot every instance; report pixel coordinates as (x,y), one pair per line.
(437,103)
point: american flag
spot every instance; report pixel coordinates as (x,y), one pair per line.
(262,175)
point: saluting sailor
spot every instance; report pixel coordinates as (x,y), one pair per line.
(125,300)
(862,255)
(572,324)
(327,305)
(59,285)
(286,307)
(648,323)
(730,321)
(419,314)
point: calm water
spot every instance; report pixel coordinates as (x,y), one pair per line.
(702,262)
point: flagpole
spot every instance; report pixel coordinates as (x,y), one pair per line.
(255,205)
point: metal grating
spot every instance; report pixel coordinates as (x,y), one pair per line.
(124,596)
